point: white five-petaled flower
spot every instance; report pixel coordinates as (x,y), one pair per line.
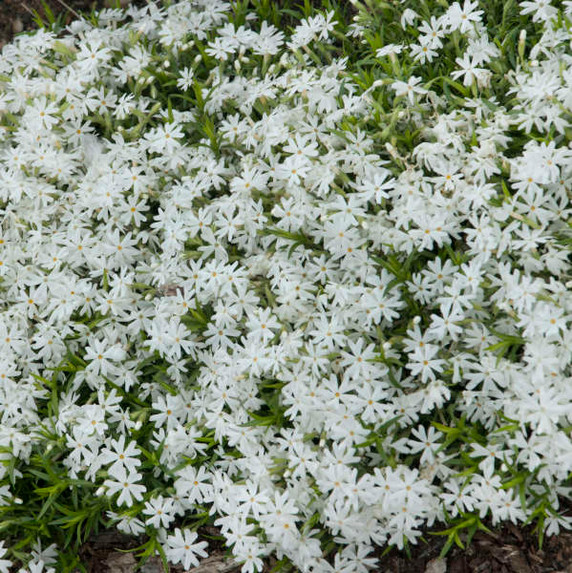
(409,88)
(182,548)
(101,357)
(126,484)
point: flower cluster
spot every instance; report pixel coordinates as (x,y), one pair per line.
(308,283)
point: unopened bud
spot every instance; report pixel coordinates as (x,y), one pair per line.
(521,43)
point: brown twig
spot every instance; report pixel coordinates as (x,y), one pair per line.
(28,9)
(69,9)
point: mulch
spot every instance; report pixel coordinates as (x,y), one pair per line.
(18,15)
(509,549)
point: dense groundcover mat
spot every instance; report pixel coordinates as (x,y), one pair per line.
(299,271)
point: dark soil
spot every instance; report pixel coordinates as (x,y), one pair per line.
(509,549)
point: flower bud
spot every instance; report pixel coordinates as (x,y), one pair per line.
(521,43)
